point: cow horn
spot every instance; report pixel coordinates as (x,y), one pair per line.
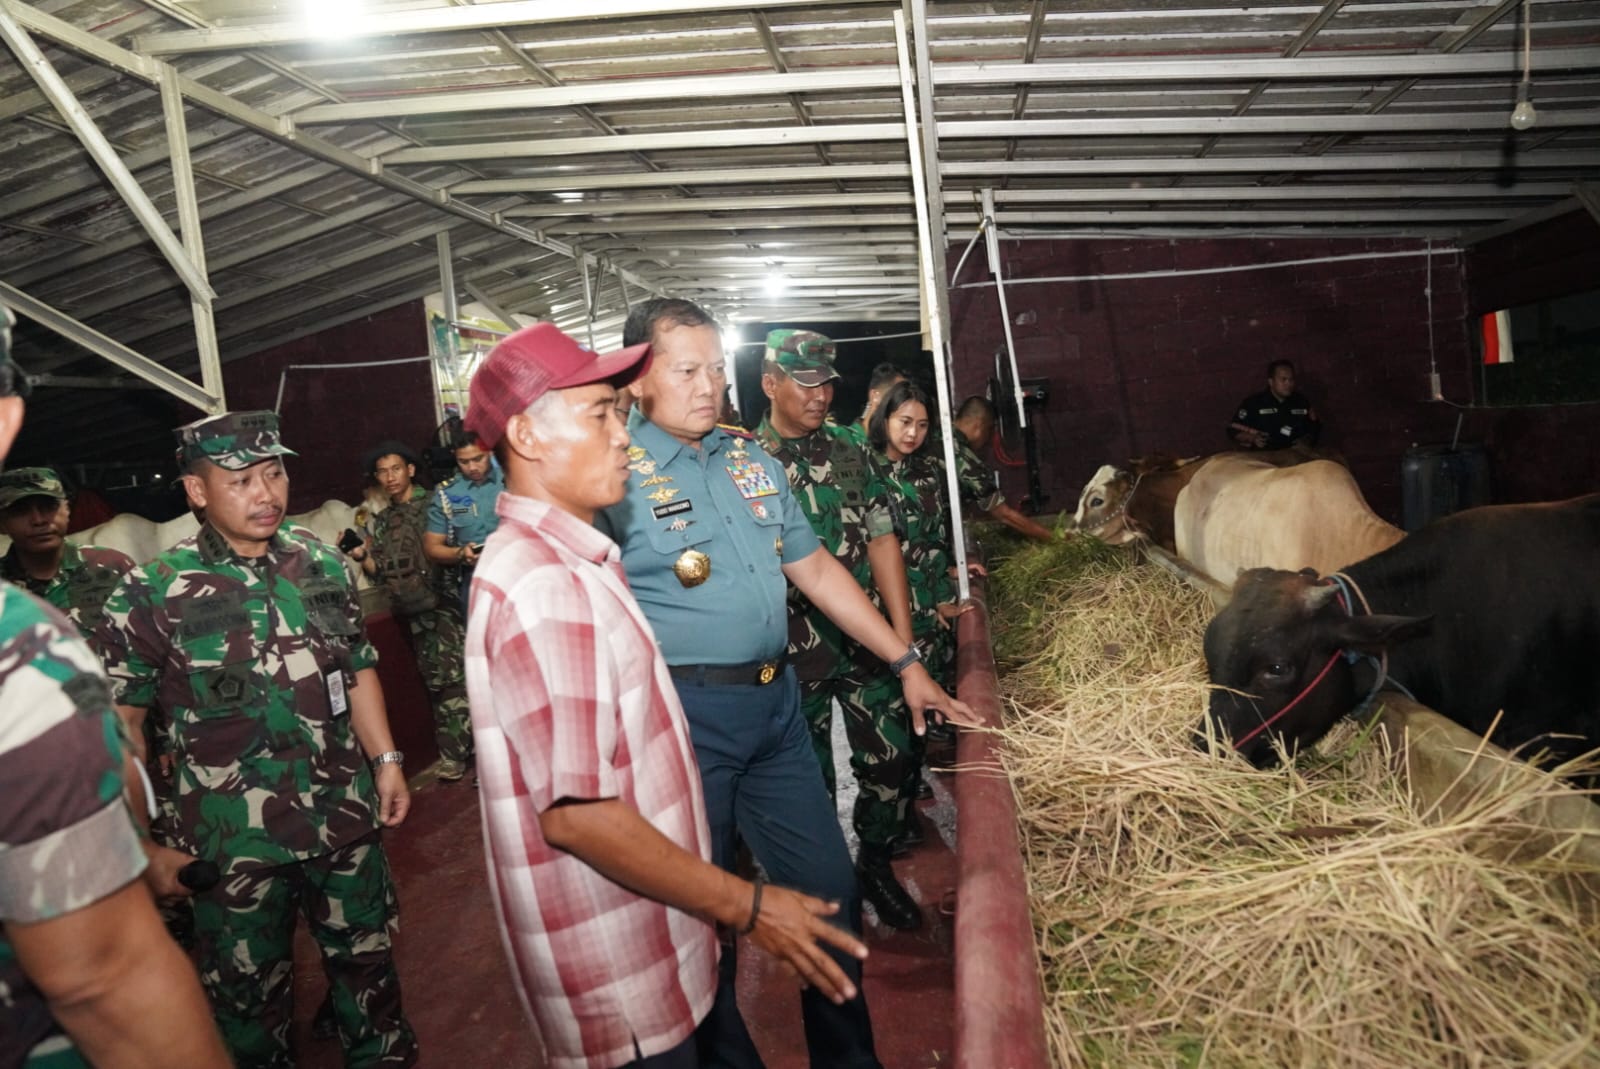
(1319,594)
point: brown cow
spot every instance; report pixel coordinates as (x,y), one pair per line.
(1238,512)
(1119,505)
(1221,514)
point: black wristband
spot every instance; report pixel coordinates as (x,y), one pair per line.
(755,906)
(910,657)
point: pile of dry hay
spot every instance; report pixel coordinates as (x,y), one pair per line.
(1191,910)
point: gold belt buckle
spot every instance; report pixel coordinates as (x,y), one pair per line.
(768,672)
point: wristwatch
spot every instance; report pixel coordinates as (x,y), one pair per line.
(910,657)
(392,757)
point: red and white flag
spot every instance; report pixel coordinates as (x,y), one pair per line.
(1497,338)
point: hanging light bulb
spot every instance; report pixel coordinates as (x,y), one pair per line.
(1523,116)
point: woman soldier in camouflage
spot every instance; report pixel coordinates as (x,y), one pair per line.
(898,430)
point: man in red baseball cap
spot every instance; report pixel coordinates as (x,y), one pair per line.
(594,816)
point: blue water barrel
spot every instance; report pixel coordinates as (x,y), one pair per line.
(1436,480)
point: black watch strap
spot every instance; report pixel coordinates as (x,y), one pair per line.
(910,657)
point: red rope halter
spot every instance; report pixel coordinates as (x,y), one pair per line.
(1298,698)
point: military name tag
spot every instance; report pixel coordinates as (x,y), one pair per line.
(751,479)
(338,700)
(661,512)
(214,614)
(850,476)
(693,568)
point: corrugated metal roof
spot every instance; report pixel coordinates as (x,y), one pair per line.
(697,147)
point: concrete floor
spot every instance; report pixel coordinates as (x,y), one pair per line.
(458,992)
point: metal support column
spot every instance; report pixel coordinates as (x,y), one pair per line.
(119,354)
(933,179)
(447,359)
(622,286)
(55,89)
(991,240)
(588,295)
(931,277)
(183,188)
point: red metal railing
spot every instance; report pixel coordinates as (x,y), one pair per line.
(999,1007)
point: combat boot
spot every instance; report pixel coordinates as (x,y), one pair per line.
(875,875)
(911,834)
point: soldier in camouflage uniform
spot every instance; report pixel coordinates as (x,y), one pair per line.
(71,858)
(899,433)
(34,513)
(843,494)
(77,580)
(422,596)
(974,426)
(253,643)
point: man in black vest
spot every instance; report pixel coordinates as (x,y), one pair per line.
(1278,416)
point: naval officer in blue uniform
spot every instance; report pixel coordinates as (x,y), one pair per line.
(710,535)
(461,513)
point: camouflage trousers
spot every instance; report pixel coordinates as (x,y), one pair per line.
(879,731)
(439,643)
(245,932)
(938,656)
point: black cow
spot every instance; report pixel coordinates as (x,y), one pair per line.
(1491,609)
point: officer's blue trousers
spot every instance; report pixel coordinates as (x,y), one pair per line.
(762,781)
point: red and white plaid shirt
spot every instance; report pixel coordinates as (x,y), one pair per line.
(571,700)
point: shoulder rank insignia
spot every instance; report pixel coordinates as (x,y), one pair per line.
(663,495)
(733,430)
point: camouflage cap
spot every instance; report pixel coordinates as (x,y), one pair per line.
(805,356)
(233,440)
(22,483)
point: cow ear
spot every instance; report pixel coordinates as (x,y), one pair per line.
(1371,634)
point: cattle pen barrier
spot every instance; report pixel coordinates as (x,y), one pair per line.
(1447,766)
(999,1007)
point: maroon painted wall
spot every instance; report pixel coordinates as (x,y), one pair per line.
(1160,364)
(331,417)
(1538,452)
